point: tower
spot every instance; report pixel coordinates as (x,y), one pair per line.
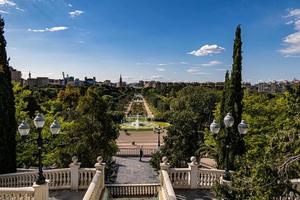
(29,75)
(120,82)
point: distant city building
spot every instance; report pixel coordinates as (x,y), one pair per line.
(16,75)
(90,81)
(120,83)
(58,82)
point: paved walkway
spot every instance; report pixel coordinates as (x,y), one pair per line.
(66,195)
(194,195)
(131,170)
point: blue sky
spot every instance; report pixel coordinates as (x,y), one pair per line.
(165,40)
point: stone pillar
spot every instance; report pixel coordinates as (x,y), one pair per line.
(100,166)
(164,166)
(41,192)
(74,168)
(194,175)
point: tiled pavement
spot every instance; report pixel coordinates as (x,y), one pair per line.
(194,195)
(66,195)
(131,170)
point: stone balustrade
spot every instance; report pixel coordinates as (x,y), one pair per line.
(39,192)
(96,187)
(22,185)
(24,193)
(166,189)
(129,190)
(135,152)
(193,177)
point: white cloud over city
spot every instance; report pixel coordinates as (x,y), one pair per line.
(160,69)
(53,29)
(207,50)
(211,63)
(292,41)
(76,13)
(196,71)
(156,77)
(7,2)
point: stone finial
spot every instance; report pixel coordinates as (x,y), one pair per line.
(164,165)
(74,160)
(99,159)
(164,160)
(193,161)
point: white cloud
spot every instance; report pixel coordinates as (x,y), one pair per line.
(160,69)
(212,63)
(162,64)
(70,5)
(292,41)
(221,69)
(4,12)
(20,9)
(207,50)
(7,2)
(156,77)
(53,29)
(76,13)
(196,71)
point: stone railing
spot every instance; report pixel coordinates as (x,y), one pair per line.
(180,177)
(208,177)
(166,189)
(135,152)
(96,187)
(192,177)
(35,192)
(136,190)
(26,193)
(73,178)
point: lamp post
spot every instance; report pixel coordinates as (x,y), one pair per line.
(39,123)
(229,122)
(157,130)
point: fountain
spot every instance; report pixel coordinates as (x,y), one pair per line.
(137,122)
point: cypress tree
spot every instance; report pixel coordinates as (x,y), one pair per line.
(7,111)
(232,102)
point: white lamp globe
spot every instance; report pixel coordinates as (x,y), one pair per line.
(243,127)
(39,121)
(55,127)
(228,120)
(214,127)
(23,128)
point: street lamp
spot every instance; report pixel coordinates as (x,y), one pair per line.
(39,123)
(157,130)
(228,121)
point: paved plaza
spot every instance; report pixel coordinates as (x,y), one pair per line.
(131,170)
(146,138)
(66,195)
(194,195)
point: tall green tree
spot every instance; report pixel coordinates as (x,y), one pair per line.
(7,111)
(232,103)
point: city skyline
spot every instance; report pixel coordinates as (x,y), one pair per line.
(161,41)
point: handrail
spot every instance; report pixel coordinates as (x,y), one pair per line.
(167,188)
(95,189)
(24,193)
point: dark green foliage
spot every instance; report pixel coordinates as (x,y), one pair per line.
(7,112)
(192,110)
(273,148)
